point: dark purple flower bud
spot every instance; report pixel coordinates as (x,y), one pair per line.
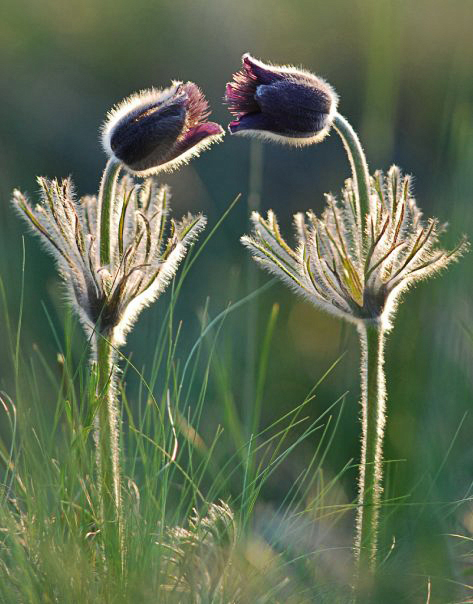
(157,130)
(285,104)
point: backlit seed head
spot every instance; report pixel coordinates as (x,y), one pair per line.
(145,252)
(337,272)
(159,130)
(199,556)
(283,104)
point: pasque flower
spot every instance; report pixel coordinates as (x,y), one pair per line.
(354,261)
(285,104)
(117,251)
(155,130)
(143,257)
(360,279)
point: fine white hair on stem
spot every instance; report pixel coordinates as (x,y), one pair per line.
(373,423)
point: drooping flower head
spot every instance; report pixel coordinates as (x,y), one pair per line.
(284,104)
(144,254)
(338,272)
(159,130)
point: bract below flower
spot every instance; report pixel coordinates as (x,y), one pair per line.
(159,130)
(284,104)
(145,254)
(334,270)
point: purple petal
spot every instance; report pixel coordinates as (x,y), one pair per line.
(253,121)
(264,74)
(196,104)
(143,138)
(294,106)
(240,94)
(193,137)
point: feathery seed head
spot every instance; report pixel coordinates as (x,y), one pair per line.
(200,555)
(336,271)
(284,104)
(144,257)
(155,130)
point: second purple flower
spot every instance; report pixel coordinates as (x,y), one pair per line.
(285,104)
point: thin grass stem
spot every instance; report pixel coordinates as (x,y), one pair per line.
(252,283)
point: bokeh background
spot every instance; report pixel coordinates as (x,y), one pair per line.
(403,70)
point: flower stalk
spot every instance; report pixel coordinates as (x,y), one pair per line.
(107,413)
(107,420)
(358,163)
(373,388)
(373,420)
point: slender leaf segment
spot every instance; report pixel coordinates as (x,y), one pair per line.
(107,195)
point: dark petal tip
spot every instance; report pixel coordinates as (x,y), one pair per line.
(203,130)
(252,121)
(194,136)
(233,126)
(248,61)
(240,94)
(263,74)
(197,105)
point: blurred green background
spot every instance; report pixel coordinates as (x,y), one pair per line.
(403,70)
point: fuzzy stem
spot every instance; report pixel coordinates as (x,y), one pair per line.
(358,163)
(105,205)
(107,442)
(373,401)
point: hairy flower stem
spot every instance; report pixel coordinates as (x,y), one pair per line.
(359,166)
(107,442)
(373,389)
(373,401)
(106,198)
